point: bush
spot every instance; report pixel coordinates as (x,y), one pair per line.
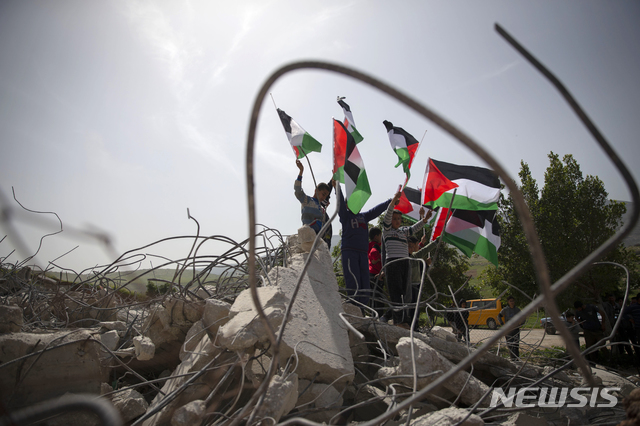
(155,287)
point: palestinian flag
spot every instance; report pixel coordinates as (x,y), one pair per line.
(404,145)
(477,188)
(355,177)
(339,151)
(409,204)
(440,220)
(474,231)
(301,141)
(349,123)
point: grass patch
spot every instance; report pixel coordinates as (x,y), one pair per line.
(478,264)
(533,321)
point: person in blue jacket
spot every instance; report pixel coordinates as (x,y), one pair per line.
(355,245)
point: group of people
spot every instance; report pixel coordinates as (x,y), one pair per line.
(378,254)
(598,324)
(383,255)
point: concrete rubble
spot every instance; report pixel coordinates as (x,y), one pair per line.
(130,403)
(428,360)
(189,359)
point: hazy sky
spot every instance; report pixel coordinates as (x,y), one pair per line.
(120,115)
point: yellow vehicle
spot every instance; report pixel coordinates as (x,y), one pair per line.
(484,312)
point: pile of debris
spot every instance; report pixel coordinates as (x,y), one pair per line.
(190,359)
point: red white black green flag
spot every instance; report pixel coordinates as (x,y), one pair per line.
(301,141)
(471,231)
(348,121)
(477,188)
(354,176)
(409,204)
(404,145)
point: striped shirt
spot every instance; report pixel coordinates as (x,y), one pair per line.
(396,242)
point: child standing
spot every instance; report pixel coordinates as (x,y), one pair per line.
(313,213)
(355,261)
(395,238)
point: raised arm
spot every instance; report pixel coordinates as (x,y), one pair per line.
(342,209)
(423,220)
(376,211)
(389,213)
(297,185)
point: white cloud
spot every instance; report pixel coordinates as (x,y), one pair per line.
(207,147)
(99,158)
(179,54)
(487,76)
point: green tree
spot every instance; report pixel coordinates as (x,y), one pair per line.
(448,270)
(336,255)
(572,216)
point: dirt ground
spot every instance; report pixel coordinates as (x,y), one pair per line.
(535,337)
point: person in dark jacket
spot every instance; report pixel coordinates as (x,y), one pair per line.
(513,336)
(461,321)
(592,326)
(354,245)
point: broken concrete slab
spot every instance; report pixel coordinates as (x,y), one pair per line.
(370,402)
(87,309)
(130,403)
(191,339)
(144,348)
(280,399)
(170,322)
(314,331)
(429,360)
(190,414)
(449,417)
(119,326)
(110,339)
(71,363)
(359,347)
(214,316)
(611,379)
(245,328)
(321,397)
(560,376)
(203,353)
(206,291)
(10,319)
(523,419)
(306,237)
(443,334)
(455,352)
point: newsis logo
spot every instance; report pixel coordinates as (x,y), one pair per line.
(554,397)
